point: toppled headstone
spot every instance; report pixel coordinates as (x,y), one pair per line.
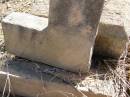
(31,79)
(68,40)
(113,34)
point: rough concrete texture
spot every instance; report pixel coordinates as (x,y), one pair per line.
(32,79)
(68,40)
(113,29)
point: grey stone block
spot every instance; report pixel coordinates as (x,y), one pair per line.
(113,29)
(68,40)
(31,79)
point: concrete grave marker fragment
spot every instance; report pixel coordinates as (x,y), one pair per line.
(113,29)
(68,40)
(31,80)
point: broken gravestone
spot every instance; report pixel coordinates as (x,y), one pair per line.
(30,79)
(68,40)
(113,34)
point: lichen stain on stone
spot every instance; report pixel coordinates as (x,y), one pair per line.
(75,15)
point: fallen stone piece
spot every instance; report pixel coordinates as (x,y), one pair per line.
(113,29)
(68,40)
(32,79)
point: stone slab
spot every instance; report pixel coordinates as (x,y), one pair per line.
(31,79)
(68,40)
(113,29)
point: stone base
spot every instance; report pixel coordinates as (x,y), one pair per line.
(66,42)
(32,38)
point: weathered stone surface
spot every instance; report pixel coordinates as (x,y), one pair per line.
(68,40)
(31,79)
(3,1)
(113,29)
(40,8)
